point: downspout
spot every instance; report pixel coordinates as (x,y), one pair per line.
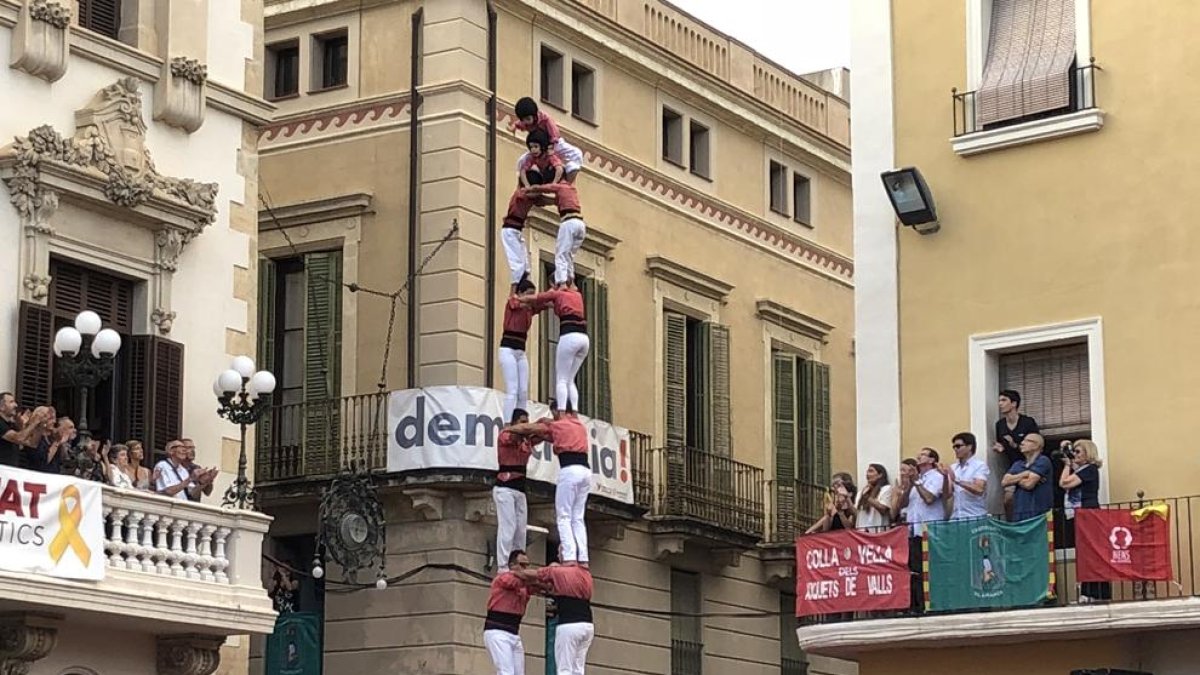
(414,147)
(489,246)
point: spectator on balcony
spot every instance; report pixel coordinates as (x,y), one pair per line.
(1081,479)
(838,516)
(506,606)
(570,440)
(51,440)
(1012,427)
(283,590)
(17,433)
(968,477)
(138,474)
(874,503)
(1030,478)
(921,492)
(908,471)
(171,477)
(118,467)
(93,464)
(202,479)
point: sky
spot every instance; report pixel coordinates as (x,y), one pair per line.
(801,35)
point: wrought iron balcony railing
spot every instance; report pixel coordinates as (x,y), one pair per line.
(687,658)
(794,507)
(1083,97)
(702,486)
(319,438)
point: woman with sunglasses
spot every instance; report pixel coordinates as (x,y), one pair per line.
(1081,479)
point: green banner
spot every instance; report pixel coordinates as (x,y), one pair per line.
(295,646)
(984,562)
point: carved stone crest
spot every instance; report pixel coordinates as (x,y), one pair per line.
(188,654)
(25,638)
(163,320)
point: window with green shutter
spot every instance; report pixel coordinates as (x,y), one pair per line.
(593,380)
(800,409)
(696,383)
(322,359)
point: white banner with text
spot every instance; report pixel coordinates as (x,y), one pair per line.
(457,428)
(50,524)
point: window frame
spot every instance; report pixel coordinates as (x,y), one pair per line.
(672,134)
(790,168)
(689,118)
(545,84)
(705,171)
(589,115)
(273,51)
(321,60)
(807,221)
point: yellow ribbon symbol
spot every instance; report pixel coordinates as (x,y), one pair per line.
(1160,510)
(68,532)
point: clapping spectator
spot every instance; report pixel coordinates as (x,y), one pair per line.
(968,478)
(50,440)
(118,467)
(171,478)
(875,500)
(202,479)
(138,474)
(840,513)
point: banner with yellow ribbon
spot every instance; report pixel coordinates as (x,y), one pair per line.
(51,524)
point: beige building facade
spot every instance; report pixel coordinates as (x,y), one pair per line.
(718,274)
(1058,271)
(129,165)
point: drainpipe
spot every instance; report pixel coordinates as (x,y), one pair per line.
(414,234)
(489,335)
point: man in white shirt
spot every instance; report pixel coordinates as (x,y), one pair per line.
(171,478)
(921,495)
(968,478)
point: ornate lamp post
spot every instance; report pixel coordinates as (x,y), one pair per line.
(85,352)
(243,395)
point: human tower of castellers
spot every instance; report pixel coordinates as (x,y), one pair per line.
(546,176)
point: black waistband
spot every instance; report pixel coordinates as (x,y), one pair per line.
(513,468)
(512,226)
(572,318)
(513,340)
(573,610)
(517,483)
(505,621)
(563,217)
(572,458)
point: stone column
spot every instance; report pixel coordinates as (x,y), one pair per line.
(451,291)
(25,637)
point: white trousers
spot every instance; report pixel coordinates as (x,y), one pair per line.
(515,252)
(571,644)
(512,519)
(571,156)
(506,651)
(568,359)
(571,234)
(570,504)
(514,366)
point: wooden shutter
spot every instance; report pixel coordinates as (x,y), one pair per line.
(154,393)
(600,355)
(35,364)
(1031,49)
(585,380)
(267,290)
(783,384)
(547,341)
(814,417)
(675,377)
(719,433)
(322,360)
(101,16)
(75,288)
(1055,387)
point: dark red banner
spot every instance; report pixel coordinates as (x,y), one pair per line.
(1120,545)
(852,571)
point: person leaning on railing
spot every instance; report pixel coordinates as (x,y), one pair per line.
(1081,479)
(839,515)
(875,500)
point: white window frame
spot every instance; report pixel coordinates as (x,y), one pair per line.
(979,17)
(683,170)
(984,353)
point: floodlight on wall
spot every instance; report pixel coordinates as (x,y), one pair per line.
(911,199)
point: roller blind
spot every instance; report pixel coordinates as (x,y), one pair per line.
(1054,385)
(1031,49)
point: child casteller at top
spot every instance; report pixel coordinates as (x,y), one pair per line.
(530,118)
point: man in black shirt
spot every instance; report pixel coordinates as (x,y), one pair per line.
(1012,427)
(10,431)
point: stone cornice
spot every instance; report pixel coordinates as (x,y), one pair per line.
(790,319)
(352,205)
(687,278)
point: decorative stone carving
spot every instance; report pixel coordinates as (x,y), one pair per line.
(189,654)
(179,96)
(170,244)
(40,43)
(37,285)
(163,320)
(25,637)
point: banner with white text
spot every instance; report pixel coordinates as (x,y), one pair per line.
(457,428)
(50,524)
(852,571)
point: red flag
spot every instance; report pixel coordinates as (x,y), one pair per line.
(1122,545)
(852,571)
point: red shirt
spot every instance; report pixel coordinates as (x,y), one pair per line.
(518,209)
(506,603)
(547,162)
(543,122)
(513,449)
(518,317)
(566,197)
(566,302)
(568,434)
(568,581)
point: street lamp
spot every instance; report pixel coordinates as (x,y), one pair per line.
(243,395)
(911,199)
(86,353)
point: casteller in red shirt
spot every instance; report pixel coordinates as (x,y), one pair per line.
(506,603)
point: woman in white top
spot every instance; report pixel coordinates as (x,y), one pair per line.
(874,501)
(118,464)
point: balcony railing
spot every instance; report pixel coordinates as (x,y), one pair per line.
(643,479)
(182,566)
(706,487)
(319,438)
(1185,564)
(793,666)
(1083,97)
(795,507)
(687,658)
